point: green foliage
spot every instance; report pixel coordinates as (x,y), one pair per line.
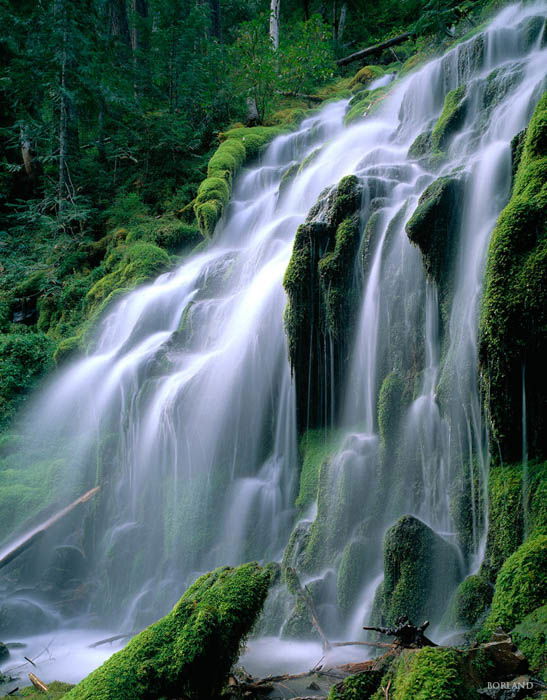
(530,636)
(190,650)
(306,58)
(521,586)
(513,320)
(24,357)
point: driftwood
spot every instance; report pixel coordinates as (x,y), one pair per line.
(407,635)
(377,48)
(29,538)
(37,683)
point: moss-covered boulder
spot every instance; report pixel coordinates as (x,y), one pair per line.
(366,75)
(316,446)
(451,118)
(359,686)
(420,568)
(237,146)
(513,326)
(435,224)
(471,601)
(190,651)
(521,586)
(530,636)
(319,282)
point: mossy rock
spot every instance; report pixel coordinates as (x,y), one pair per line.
(320,286)
(432,673)
(237,146)
(56,690)
(530,636)
(315,447)
(521,586)
(190,651)
(513,325)
(366,75)
(359,686)
(471,602)
(434,226)
(420,568)
(364,104)
(352,572)
(451,118)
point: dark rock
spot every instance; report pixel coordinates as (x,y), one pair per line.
(20,616)
(4,652)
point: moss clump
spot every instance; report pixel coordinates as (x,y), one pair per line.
(190,651)
(366,75)
(434,226)
(432,673)
(351,572)
(237,146)
(56,690)
(389,403)
(530,636)
(316,447)
(471,600)
(360,686)
(419,569)
(24,358)
(319,282)
(521,586)
(513,324)
(451,119)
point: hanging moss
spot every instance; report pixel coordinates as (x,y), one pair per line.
(513,326)
(521,586)
(237,146)
(530,636)
(419,569)
(451,118)
(190,651)
(320,282)
(315,447)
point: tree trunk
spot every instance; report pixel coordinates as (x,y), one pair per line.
(216,29)
(139,43)
(119,24)
(377,48)
(274,22)
(342,22)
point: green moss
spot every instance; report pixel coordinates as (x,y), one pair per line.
(419,569)
(131,265)
(471,600)
(237,146)
(360,686)
(389,405)
(434,226)
(432,673)
(56,690)
(315,447)
(530,636)
(514,310)
(451,118)
(190,651)
(24,358)
(351,571)
(507,486)
(364,103)
(521,585)
(366,75)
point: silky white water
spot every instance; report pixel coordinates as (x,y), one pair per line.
(184,410)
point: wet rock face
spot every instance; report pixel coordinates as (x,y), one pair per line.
(4,653)
(19,616)
(320,287)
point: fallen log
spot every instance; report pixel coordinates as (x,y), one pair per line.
(377,48)
(29,538)
(108,640)
(303,593)
(37,683)
(381,645)
(302,96)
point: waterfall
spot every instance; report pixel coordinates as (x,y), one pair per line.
(184,410)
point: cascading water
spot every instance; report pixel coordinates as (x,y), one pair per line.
(184,412)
